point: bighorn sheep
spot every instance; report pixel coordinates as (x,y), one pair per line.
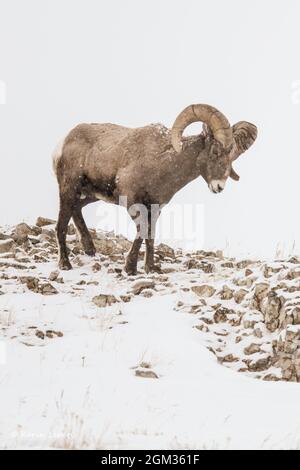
(147,165)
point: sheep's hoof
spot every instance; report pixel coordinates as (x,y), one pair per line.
(130,270)
(65,265)
(153,268)
(90,251)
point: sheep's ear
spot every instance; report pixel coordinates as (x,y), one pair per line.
(206,131)
(244,134)
(234,175)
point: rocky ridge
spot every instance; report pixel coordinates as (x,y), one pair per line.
(246,311)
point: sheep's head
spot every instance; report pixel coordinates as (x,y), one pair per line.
(223,143)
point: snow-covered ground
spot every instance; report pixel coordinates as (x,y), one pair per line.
(146,371)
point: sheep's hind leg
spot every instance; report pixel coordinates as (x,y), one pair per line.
(65,213)
(85,236)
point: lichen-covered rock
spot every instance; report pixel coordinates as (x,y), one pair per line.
(207,267)
(31,282)
(111,246)
(227,358)
(240,295)
(226,293)
(244,281)
(244,263)
(294,260)
(204,290)
(250,319)
(163,250)
(223,314)
(7,245)
(295,314)
(260,293)
(269,271)
(4,236)
(257,332)
(47,234)
(36,285)
(287,353)
(293,274)
(104,300)
(105,246)
(194,263)
(96,267)
(228,264)
(272,307)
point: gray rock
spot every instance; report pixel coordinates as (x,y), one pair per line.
(138,286)
(147,293)
(21,232)
(7,245)
(46,288)
(8,263)
(104,300)
(260,364)
(146,373)
(252,349)
(53,275)
(43,221)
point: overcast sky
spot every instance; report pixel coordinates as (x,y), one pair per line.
(134,62)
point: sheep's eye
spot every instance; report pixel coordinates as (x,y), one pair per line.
(215,150)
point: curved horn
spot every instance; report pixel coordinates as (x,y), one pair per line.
(217,122)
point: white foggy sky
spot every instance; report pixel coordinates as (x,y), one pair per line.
(134,62)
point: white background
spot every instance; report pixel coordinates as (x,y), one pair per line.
(135,62)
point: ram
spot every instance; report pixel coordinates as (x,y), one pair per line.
(145,167)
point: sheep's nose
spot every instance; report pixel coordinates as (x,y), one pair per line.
(217,186)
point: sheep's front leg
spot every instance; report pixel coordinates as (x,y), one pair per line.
(149,256)
(149,265)
(132,256)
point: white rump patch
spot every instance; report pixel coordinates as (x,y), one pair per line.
(57,153)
